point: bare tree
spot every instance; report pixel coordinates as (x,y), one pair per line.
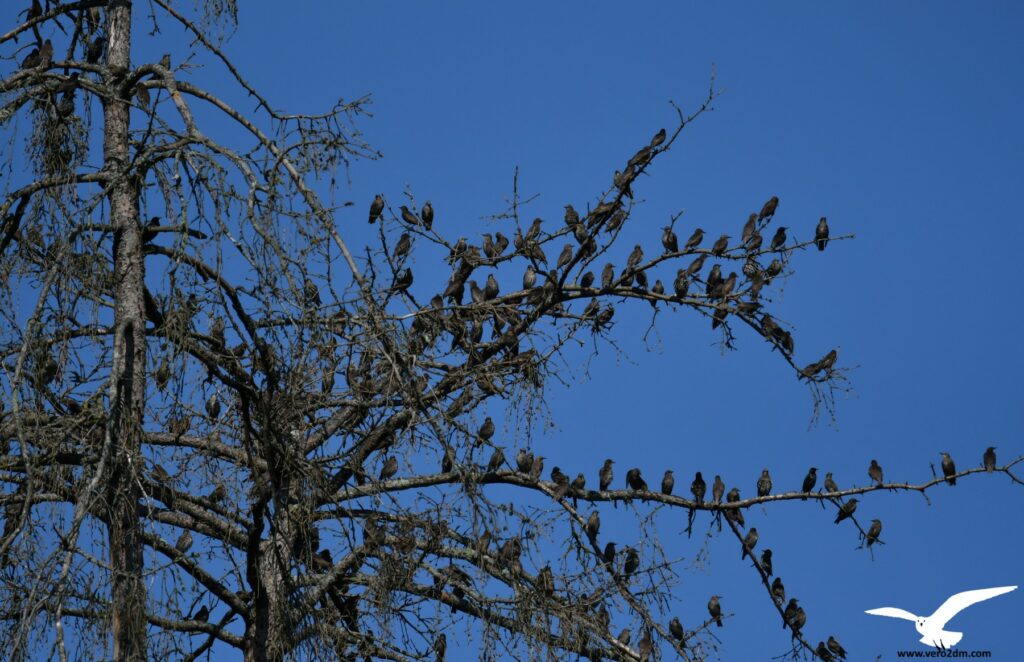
(223,426)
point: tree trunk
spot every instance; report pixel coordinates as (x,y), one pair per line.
(128,591)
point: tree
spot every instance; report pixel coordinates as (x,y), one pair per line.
(224,427)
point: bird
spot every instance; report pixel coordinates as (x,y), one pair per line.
(824,653)
(497,459)
(377,208)
(408,216)
(561,482)
(593,526)
(491,287)
(213,406)
(669,240)
(766,561)
(658,138)
(768,210)
(749,228)
(715,609)
(45,54)
(931,627)
(524,461)
(734,515)
(534,231)
(668,481)
(165,61)
(403,246)
(778,590)
(779,239)
(681,285)
(310,292)
(184,541)
(659,288)
(579,483)
(448,461)
(948,468)
(644,646)
(675,628)
(874,531)
(821,234)
(427,212)
(875,472)
(809,481)
(403,279)
(486,430)
(389,469)
(696,265)
(202,614)
(764,484)
(500,243)
(717,490)
(830,485)
(720,245)
(142,95)
(624,637)
(753,244)
(572,217)
(749,542)
(789,615)
(846,510)
(440,647)
(564,257)
(95,50)
(636,256)
(988,460)
(605,475)
(694,240)
(698,488)
(609,553)
(635,480)
(536,468)
(835,648)
(632,562)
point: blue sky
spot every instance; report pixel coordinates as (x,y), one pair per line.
(899,121)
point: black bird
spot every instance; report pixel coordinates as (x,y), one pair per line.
(720,245)
(635,257)
(681,286)
(497,459)
(721,311)
(874,531)
(830,485)
(377,208)
(587,280)
(564,257)
(529,278)
(536,468)
(734,515)
(675,628)
(561,482)
(753,244)
(768,210)
(669,240)
(427,212)
(609,554)
(699,488)
(778,590)
(95,50)
(749,542)
(631,563)
(694,240)
(948,469)
(846,510)
(875,472)
(766,561)
(823,653)
(605,475)
(500,243)
(988,460)
(408,216)
(809,481)
(658,138)
(659,288)
(403,279)
(32,60)
(524,461)
(486,430)
(579,483)
(572,217)
(534,230)
(717,490)
(184,542)
(749,228)
(403,246)
(389,469)
(491,287)
(448,461)
(310,292)
(714,278)
(593,526)
(165,61)
(821,234)
(202,614)
(779,240)
(668,481)
(789,616)
(644,646)
(696,265)
(607,276)
(764,484)
(835,648)
(635,481)
(715,609)
(774,268)
(440,647)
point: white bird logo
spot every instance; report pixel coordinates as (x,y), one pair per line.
(930,627)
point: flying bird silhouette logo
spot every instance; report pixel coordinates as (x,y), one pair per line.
(931,627)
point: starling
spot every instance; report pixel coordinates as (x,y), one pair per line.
(644,646)
(823,653)
(658,138)
(165,61)
(988,460)
(830,485)
(593,526)
(835,648)
(45,54)
(714,278)
(491,287)
(427,212)
(448,461)
(142,95)
(749,542)
(572,217)
(681,285)
(799,620)
(766,561)
(846,510)
(587,280)
(408,216)
(524,461)
(486,430)
(534,230)
(605,475)
(184,541)
(635,481)
(668,481)
(715,609)
(564,257)
(536,468)
(809,481)
(821,234)
(500,243)
(874,531)
(718,318)
(403,279)
(440,647)
(779,240)
(659,288)
(95,50)
(497,459)
(778,590)
(698,488)
(696,265)
(213,407)
(734,515)
(631,563)
(310,292)
(623,637)
(218,494)
(720,245)
(669,240)
(609,554)
(774,268)
(790,614)
(403,246)
(579,483)
(769,208)
(377,208)
(717,490)
(749,228)
(635,257)
(948,469)
(764,484)
(202,614)
(753,244)
(694,240)
(389,469)
(675,628)
(162,374)
(875,472)
(561,482)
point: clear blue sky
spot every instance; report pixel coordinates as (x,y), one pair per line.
(899,121)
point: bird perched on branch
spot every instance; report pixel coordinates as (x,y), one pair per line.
(875,472)
(715,609)
(988,460)
(427,212)
(486,430)
(846,510)
(809,481)
(698,488)
(764,484)
(874,531)
(768,210)
(766,562)
(669,240)
(749,542)
(720,245)
(668,482)
(948,468)
(821,234)
(605,475)
(377,208)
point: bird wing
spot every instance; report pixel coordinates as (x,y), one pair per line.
(892,612)
(957,603)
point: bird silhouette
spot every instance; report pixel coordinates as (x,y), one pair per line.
(931,627)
